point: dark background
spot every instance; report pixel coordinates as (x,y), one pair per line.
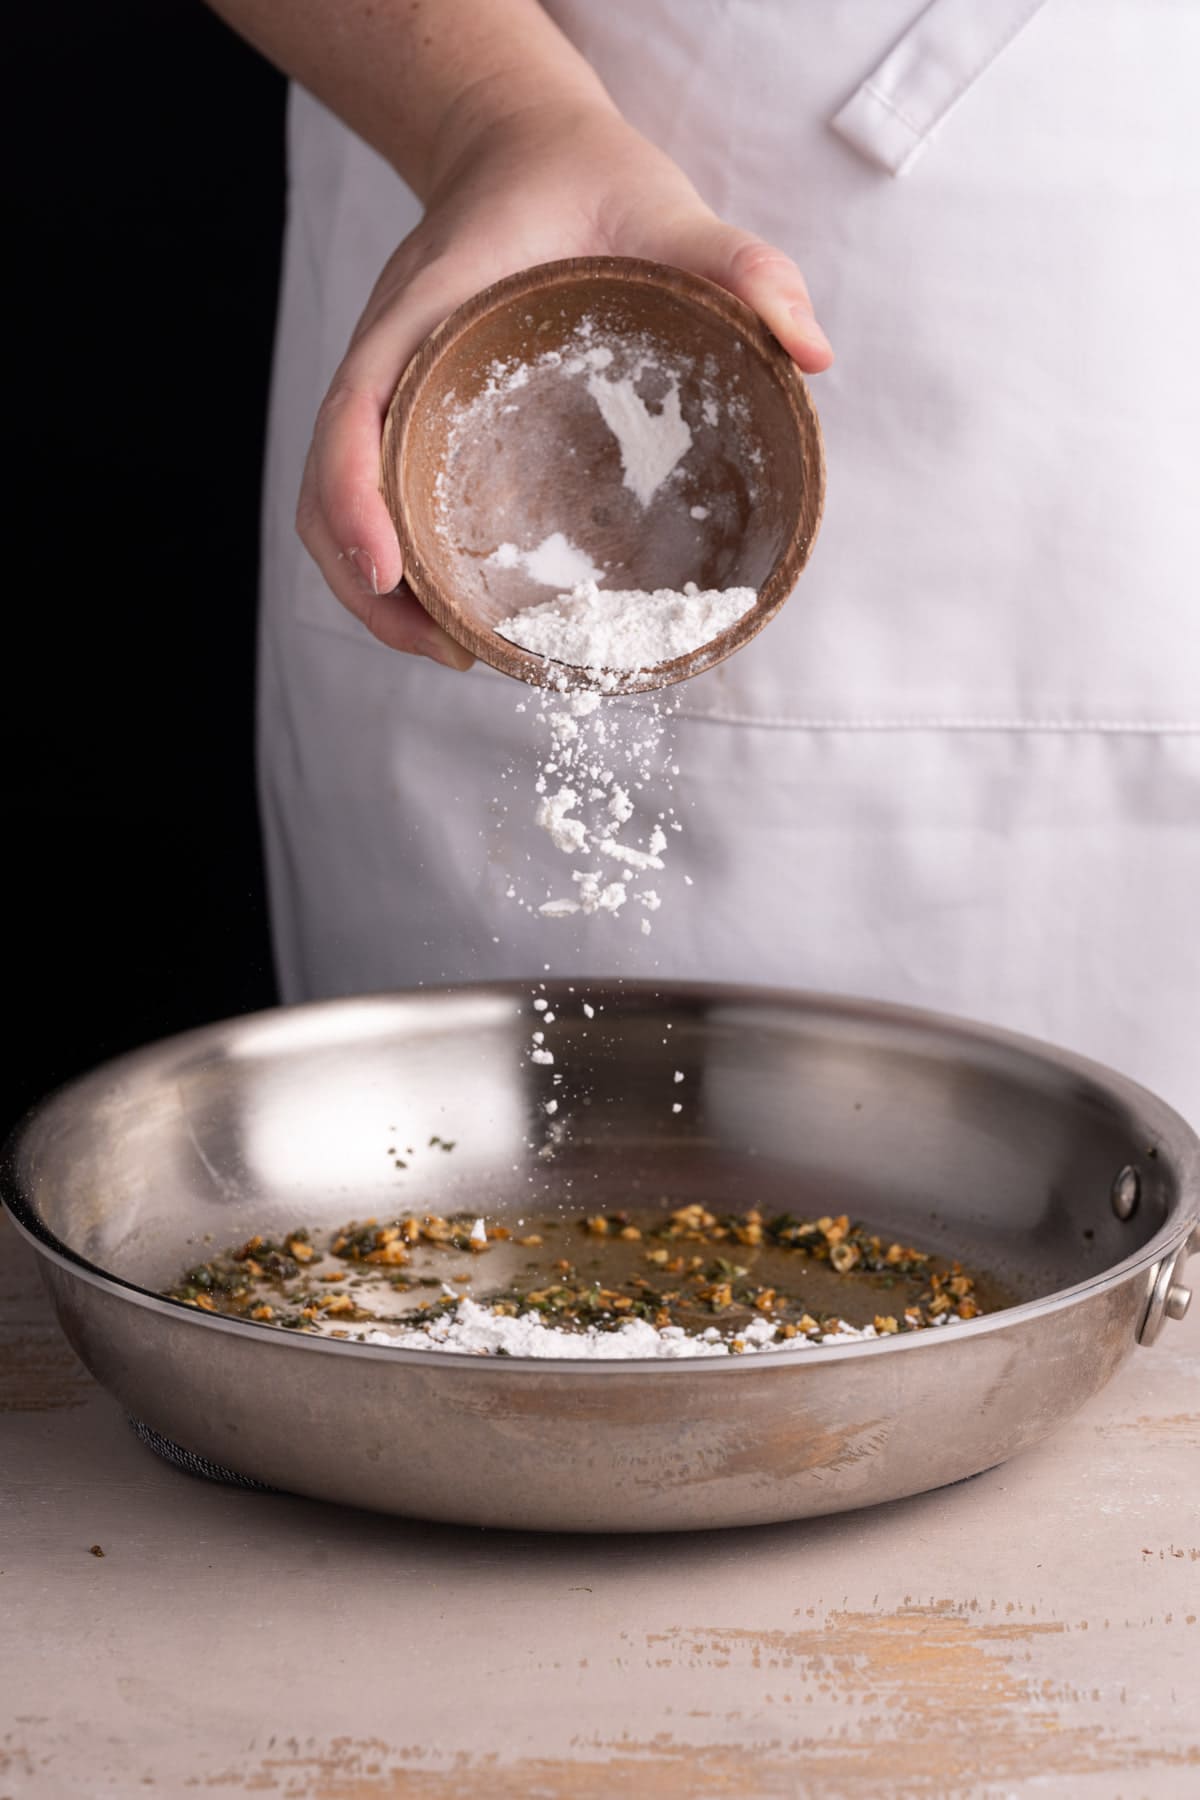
(148,211)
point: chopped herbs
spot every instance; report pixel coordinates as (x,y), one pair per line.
(686,1267)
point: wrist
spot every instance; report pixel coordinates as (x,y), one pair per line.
(502,116)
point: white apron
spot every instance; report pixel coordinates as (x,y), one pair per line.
(962,768)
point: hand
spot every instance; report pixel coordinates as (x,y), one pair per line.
(531,190)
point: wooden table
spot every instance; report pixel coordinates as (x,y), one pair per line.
(1034,1630)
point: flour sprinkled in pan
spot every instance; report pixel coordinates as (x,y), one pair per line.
(474,1330)
(660,1283)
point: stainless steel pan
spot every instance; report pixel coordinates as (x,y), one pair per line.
(1065,1180)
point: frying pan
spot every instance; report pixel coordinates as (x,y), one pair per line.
(1068,1183)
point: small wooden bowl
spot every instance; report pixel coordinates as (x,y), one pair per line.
(489,440)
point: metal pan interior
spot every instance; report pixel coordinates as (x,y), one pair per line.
(968,1142)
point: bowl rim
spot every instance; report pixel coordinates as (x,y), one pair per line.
(1161,1124)
(693,290)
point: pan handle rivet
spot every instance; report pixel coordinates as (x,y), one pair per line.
(1126,1192)
(1179,1298)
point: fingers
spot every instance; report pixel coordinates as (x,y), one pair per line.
(400,621)
(340,496)
(768,281)
(395,617)
(341,517)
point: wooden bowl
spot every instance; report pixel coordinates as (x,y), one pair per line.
(493,438)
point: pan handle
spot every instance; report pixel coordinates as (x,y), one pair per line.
(1169,1298)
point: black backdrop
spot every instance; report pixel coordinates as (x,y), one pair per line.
(148,198)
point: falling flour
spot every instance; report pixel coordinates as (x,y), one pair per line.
(603,768)
(603,783)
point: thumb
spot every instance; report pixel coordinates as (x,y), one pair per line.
(768,281)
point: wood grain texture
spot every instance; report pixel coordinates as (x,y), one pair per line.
(1034,1630)
(38,1371)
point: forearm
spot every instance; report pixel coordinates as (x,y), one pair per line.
(420,79)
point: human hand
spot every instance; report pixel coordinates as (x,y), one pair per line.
(530,190)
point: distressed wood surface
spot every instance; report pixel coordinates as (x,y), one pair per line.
(1033,1630)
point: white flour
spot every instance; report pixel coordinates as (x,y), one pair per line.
(603,788)
(651,443)
(473,1330)
(639,400)
(637,859)
(626,629)
(566,834)
(605,761)
(555,562)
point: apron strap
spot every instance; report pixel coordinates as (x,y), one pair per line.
(892,116)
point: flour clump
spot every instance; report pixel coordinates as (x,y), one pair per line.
(626,630)
(652,444)
(556,562)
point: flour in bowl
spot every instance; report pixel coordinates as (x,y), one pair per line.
(626,630)
(555,562)
(652,443)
